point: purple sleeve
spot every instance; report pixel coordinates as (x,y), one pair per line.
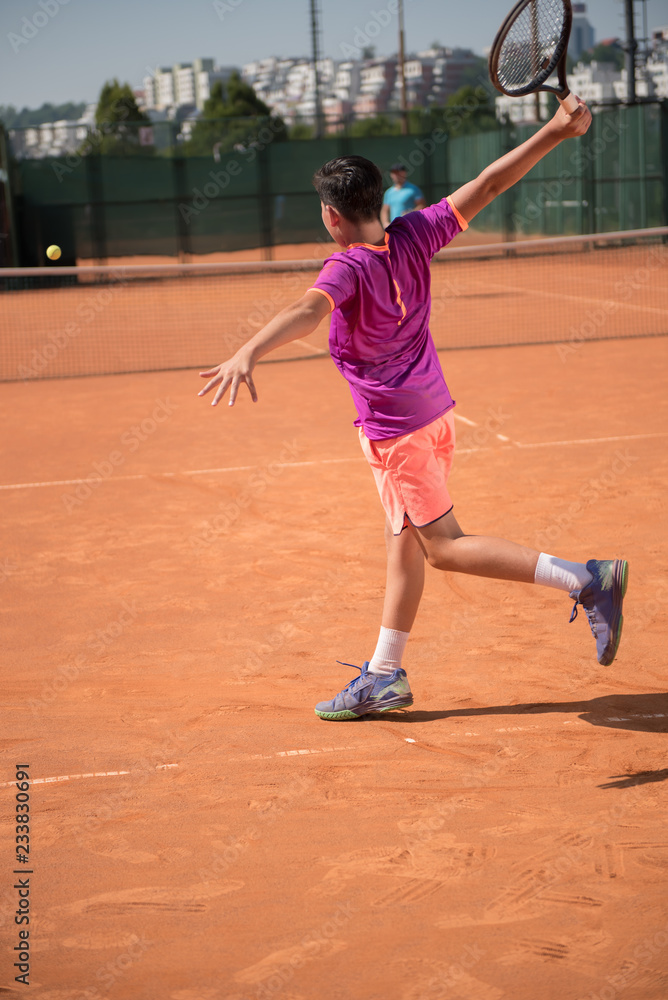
(337,281)
(435,226)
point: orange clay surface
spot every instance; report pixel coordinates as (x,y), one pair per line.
(197,832)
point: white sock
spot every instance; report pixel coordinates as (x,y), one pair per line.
(390,649)
(562,575)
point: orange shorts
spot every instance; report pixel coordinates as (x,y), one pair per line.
(411,472)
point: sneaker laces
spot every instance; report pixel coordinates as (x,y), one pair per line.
(590,613)
(355,680)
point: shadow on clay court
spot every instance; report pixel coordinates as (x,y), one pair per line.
(645,713)
(641,778)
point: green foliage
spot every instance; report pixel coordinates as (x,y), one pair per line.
(234,117)
(301,130)
(605,54)
(477,75)
(40,116)
(117,124)
(468,111)
(379,125)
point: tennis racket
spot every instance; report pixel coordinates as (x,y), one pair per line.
(530,45)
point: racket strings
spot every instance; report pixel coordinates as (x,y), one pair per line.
(529,53)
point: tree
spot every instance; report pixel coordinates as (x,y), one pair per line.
(378,125)
(469,110)
(234,117)
(610,52)
(476,74)
(39,116)
(118,121)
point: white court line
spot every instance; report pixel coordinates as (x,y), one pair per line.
(302,753)
(171,475)
(318,461)
(618,437)
(574,298)
(311,347)
(72,777)
(472,423)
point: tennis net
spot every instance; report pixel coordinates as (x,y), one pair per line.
(71,321)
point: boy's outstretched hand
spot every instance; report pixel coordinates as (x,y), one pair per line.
(229,375)
(294,321)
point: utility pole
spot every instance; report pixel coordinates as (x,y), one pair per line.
(401,67)
(630,53)
(315,45)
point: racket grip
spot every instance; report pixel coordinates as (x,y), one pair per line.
(569,103)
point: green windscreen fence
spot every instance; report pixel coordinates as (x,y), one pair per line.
(99,207)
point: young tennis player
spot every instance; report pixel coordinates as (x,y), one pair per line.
(378,291)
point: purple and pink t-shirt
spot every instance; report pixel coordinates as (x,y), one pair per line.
(379,334)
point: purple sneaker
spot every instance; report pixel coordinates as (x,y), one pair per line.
(366,694)
(602,601)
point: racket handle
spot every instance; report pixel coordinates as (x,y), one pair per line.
(569,103)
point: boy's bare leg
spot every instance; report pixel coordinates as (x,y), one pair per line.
(403,591)
(405,579)
(447,547)
(599,585)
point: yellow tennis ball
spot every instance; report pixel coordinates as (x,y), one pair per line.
(53,252)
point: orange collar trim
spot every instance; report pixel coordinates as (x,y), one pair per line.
(371,246)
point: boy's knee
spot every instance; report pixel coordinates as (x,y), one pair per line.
(435,559)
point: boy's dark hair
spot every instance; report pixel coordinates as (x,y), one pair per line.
(351,185)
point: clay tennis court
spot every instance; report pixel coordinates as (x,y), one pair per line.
(178,583)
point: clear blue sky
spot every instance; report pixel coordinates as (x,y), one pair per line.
(85,42)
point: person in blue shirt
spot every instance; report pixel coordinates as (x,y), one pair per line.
(401,198)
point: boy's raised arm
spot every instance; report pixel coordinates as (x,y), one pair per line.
(297,320)
(472,197)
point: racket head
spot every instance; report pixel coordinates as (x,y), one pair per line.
(529,46)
